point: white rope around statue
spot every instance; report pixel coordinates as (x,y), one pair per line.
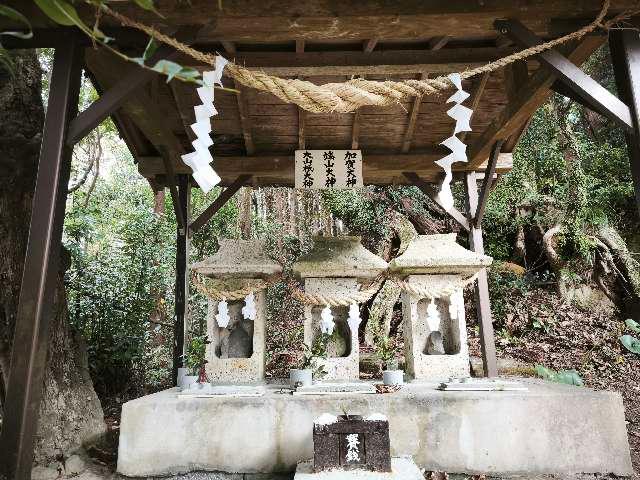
(350,95)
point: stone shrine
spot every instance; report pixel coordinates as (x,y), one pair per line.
(236,328)
(337,266)
(435,335)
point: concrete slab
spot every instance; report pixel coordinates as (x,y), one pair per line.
(402,468)
(549,429)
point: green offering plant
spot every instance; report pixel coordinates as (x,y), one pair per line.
(313,356)
(195,359)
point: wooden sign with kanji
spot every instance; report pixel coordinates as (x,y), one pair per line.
(352,443)
(328,169)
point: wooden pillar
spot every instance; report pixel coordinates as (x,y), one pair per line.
(181,288)
(625,55)
(481,288)
(35,306)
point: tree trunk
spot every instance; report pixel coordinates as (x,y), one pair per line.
(70,412)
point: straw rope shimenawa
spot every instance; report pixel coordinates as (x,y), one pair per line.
(433,293)
(343,300)
(352,94)
(218,294)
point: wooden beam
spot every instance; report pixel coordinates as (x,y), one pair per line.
(31,337)
(531,96)
(436,43)
(172,183)
(218,203)
(625,55)
(593,94)
(486,184)
(481,288)
(336,63)
(355,131)
(317,20)
(144,113)
(111,100)
(245,120)
(411,124)
(181,280)
(369,45)
(432,193)
(477,96)
(278,169)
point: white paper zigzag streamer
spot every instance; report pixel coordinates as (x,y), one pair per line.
(462,116)
(200,159)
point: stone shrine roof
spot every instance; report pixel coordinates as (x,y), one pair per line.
(438,254)
(238,259)
(339,257)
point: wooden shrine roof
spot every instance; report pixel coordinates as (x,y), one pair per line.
(330,41)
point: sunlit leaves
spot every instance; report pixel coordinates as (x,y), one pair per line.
(568,377)
(631,343)
(632,325)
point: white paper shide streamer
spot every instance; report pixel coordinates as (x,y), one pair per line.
(462,116)
(200,159)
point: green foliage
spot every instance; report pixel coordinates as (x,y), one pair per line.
(631,343)
(569,377)
(632,325)
(313,356)
(12,14)
(195,358)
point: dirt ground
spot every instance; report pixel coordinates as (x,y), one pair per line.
(537,327)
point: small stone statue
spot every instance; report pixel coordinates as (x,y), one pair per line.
(435,345)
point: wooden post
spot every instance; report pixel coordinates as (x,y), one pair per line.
(181,295)
(481,288)
(625,55)
(35,306)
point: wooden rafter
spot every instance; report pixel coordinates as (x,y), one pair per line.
(377,62)
(477,97)
(581,84)
(530,97)
(413,118)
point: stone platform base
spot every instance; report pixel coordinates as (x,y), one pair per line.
(549,429)
(402,468)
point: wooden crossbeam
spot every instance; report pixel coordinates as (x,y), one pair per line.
(477,96)
(278,169)
(333,63)
(218,203)
(486,184)
(111,100)
(431,192)
(585,87)
(530,97)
